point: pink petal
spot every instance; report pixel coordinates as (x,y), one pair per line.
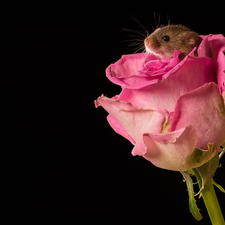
(135,121)
(213,46)
(193,74)
(170,150)
(127,72)
(174,150)
(126,67)
(118,128)
(204,109)
(160,68)
(139,148)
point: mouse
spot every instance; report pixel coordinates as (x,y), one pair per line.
(164,40)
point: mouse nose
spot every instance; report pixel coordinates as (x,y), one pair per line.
(146,42)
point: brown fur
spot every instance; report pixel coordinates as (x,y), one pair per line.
(181,38)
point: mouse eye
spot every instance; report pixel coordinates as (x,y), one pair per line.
(166,38)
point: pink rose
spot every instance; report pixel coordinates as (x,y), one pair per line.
(172,112)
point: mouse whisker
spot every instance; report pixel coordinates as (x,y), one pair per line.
(136,43)
(143,51)
(156,22)
(168,19)
(152,27)
(139,49)
(133,39)
(134,35)
(135,31)
(140,25)
(136,38)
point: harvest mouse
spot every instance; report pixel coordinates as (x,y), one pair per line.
(163,41)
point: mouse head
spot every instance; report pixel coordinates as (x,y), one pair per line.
(163,41)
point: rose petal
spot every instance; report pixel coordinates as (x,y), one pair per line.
(174,150)
(170,150)
(118,128)
(204,109)
(126,67)
(193,74)
(159,68)
(139,148)
(213,46)
(135,121)
(128,71)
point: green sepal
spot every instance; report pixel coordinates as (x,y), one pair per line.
(192,202)
(207,170)
(191,172)
(199,157)
(218,186)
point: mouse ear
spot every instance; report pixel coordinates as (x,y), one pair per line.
(191,39)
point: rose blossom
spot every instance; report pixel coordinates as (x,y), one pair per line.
(172,112)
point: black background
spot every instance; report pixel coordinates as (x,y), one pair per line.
(63,161)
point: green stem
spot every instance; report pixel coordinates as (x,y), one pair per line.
(211,202)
